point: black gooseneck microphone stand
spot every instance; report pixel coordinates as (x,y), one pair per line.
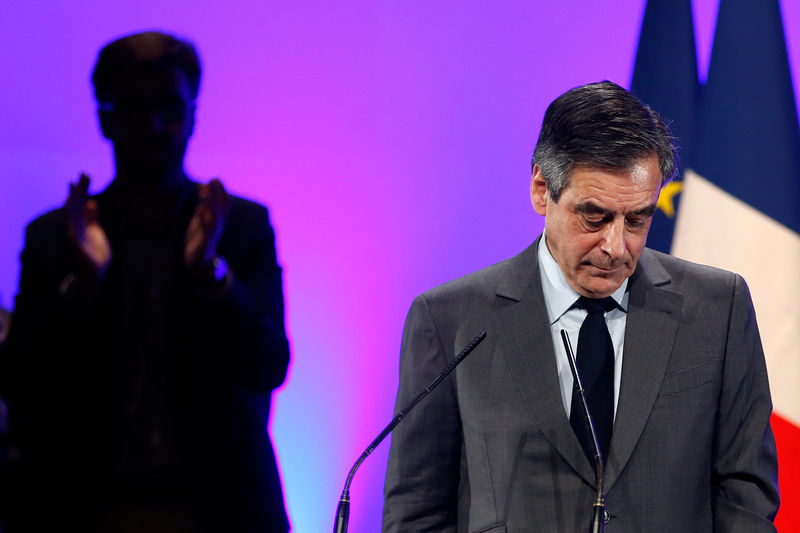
(343,510)
(599,507)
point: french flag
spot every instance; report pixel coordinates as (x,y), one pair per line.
(736,204)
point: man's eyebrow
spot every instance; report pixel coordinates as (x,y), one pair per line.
(644,211)
(589,208)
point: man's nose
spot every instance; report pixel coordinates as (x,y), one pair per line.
(613,242)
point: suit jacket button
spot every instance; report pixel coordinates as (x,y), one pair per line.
(606,516)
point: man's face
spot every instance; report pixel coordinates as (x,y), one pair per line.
(150,123)
(597,230)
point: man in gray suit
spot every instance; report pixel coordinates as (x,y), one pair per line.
(675,379)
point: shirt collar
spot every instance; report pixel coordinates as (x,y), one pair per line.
(558,295)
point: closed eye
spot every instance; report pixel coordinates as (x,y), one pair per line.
(636,222)
(594,216)
(639,218)
(596,222)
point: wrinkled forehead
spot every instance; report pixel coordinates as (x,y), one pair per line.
(641,176)
(640,170)
(643,171)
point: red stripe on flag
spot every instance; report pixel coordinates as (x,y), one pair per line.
(787,438)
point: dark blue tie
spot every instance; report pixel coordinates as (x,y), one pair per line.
(595,362)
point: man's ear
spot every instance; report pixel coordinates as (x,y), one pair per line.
(539,193)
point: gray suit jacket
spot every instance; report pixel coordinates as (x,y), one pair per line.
(492,450)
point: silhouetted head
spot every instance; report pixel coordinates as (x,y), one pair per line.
(146,85)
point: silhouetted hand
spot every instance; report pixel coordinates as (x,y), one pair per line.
(85,230)
(205,227)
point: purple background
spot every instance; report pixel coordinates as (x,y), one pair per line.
(391,141)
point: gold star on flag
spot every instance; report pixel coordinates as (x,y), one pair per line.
(665,198)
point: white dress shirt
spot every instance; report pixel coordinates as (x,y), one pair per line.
(559,298)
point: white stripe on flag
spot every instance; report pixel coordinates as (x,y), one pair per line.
(717,229)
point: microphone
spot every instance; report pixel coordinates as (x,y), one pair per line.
(599,507)
(343,510)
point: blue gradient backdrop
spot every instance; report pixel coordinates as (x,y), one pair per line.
(391,141)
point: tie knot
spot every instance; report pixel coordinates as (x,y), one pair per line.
(596,305)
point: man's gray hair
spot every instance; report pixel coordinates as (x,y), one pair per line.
(600,125)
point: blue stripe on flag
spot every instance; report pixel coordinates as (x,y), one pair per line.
(665,78)
(747,136)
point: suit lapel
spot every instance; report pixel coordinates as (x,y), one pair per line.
(652,323)
(527,345)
